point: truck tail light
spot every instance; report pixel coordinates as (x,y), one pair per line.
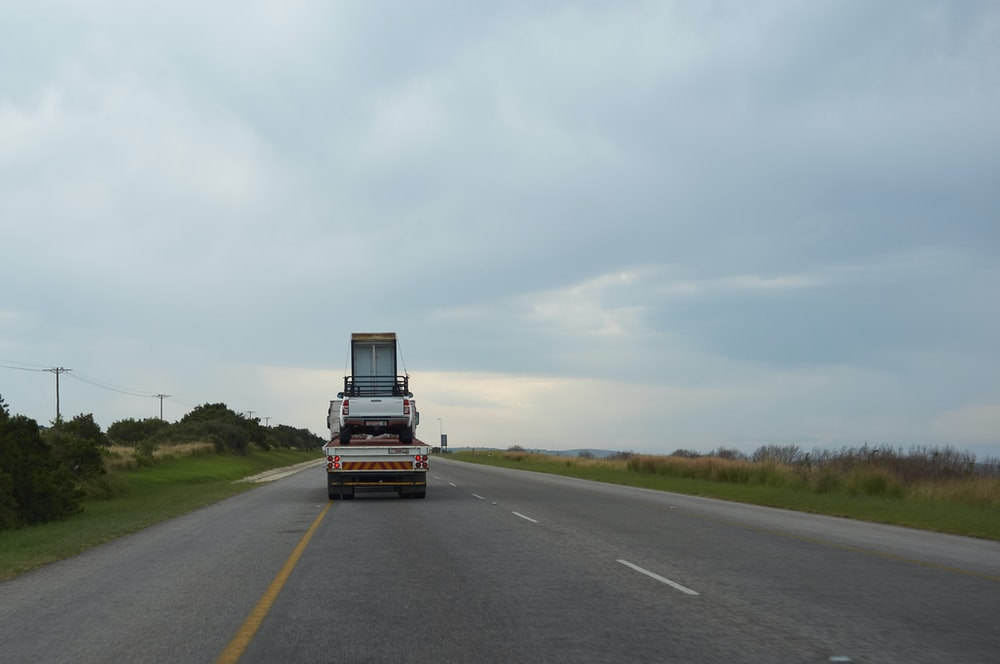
(333,462)
(420,461)
(406,406)
(346,409)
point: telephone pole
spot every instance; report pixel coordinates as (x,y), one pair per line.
(161,397)
(57,371)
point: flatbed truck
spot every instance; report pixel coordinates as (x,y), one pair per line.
(373,424)
(380,464)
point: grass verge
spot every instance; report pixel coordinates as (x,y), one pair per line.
(915,506)
(136,497)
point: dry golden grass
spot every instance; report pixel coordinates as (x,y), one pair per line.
(125,457)
(974,491)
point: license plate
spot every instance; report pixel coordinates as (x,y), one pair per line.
(376,423)
(398,450)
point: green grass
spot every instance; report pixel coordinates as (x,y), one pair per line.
(877,500)
(139,498)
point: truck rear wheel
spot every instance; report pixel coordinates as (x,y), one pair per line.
(406,435)
(345,437)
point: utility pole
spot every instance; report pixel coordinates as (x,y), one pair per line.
(161,397)
(267,422)
(57,371)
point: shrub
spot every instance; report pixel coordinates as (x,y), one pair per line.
(729,453)
(132,432)
(621,456)
(873,482)
(37,487)
(9,517)
(144,451)
(77,449)
(686,454)
(788,455)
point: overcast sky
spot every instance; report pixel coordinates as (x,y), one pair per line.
(627,225)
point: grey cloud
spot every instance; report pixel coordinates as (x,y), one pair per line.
(253,183)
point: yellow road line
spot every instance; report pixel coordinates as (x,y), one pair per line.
(239,644)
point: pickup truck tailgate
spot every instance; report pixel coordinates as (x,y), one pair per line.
(375,407)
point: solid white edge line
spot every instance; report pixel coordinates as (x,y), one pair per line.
(659,578)
(476,495)
(526,518)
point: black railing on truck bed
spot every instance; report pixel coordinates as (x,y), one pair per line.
(376,386)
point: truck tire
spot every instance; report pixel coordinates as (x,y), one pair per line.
(345,437)
(406,436)
(422,494)
(333,495)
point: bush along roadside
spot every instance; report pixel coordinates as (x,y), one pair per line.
(47,474)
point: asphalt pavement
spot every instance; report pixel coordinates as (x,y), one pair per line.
(501,566)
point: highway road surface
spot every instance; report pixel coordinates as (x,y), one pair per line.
(506,566)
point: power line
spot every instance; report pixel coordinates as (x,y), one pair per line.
(24,368)
(187,404)
(107,386)
(58,371)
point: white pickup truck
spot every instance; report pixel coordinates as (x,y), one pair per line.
(376,400)
(358,411)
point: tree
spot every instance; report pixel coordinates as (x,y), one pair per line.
(36,487)
(132,432)
(8,504)
(77,446)
(225,428)
(85,428)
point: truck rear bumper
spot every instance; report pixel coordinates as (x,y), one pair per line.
(345,483)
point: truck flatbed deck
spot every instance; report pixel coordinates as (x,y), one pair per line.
(375,442)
